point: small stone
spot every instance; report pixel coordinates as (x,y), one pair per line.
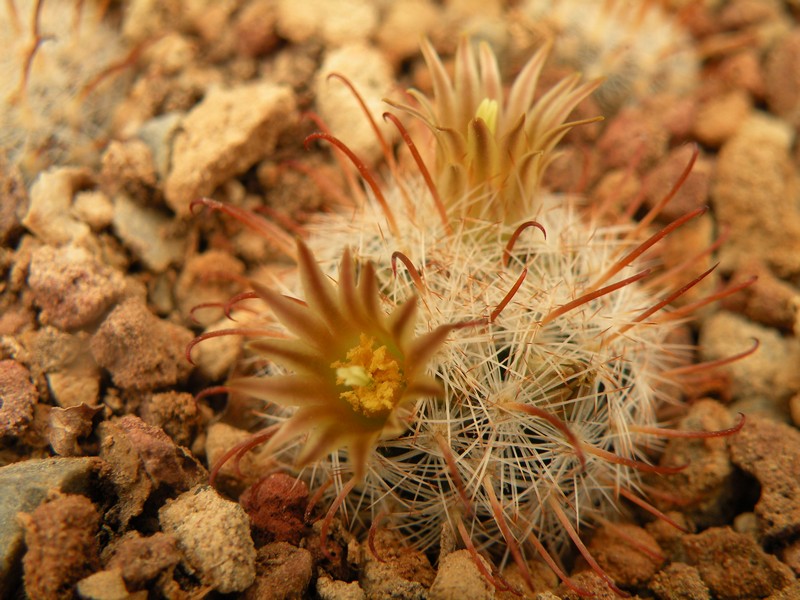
(399,29)
(72,288)
(18,396)
(128,168)
(694,190)
(48,215)
(25,485)
(753,195)
(632,136)
(206,278)
(334,589)
(216,356)
(141,559)
(334,21)
(762,374)
(148,233)
(283,572)
(458,577)
(244,124)
(139,350)
(62,546)
(158,133)
(679,581)
(94,208)
(214,536)
(13,206)
(733,566)
(719,117)
(591,582)
(398,571)
(371,74)
(107,585)
(782,77)
(174,412)
(67,425)
(276,506)
(623,561)
(707,483)
(770,452)
(220,438)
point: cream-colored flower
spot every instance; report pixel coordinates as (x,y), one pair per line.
(355,372)
(492,146)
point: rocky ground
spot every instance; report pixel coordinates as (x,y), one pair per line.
(105,451)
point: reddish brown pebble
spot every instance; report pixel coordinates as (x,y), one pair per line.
(62,547)
(734,566)
(276,506)
(17,398)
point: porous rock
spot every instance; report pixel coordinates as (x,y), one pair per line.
(141,559)
(62,547)
(140,350)
(283,572)
(459,577)
(734,566)
(276,506)
(72,288)
(214,536)
(48,215)
(770,452)
(244,123)
(17,398)
(755,194)
(679,581)
(144,458)
(625,563)
(397,571)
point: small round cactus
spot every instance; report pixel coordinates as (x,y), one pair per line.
(635,45)
(524,397)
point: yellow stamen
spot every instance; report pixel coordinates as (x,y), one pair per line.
(487,111)
(374,378)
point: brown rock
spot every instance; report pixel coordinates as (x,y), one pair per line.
(18,396)
(632,137)
(67,425)
(782,78)
(397,572)
(214,537)
(128,167)
(140,350)
(720,116)
(679,581)
(72,287)
(143,458)
(459,577)
(770,452)
(755,194)
(693,192)
(733,566)
(62,546)
(244,124)
(49,217)
(769,301)
(174,412)
(627,564)
(141,559)
(588,581)
(276,506)
(706,486)
(206,278)
(15,198)
(283,572)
